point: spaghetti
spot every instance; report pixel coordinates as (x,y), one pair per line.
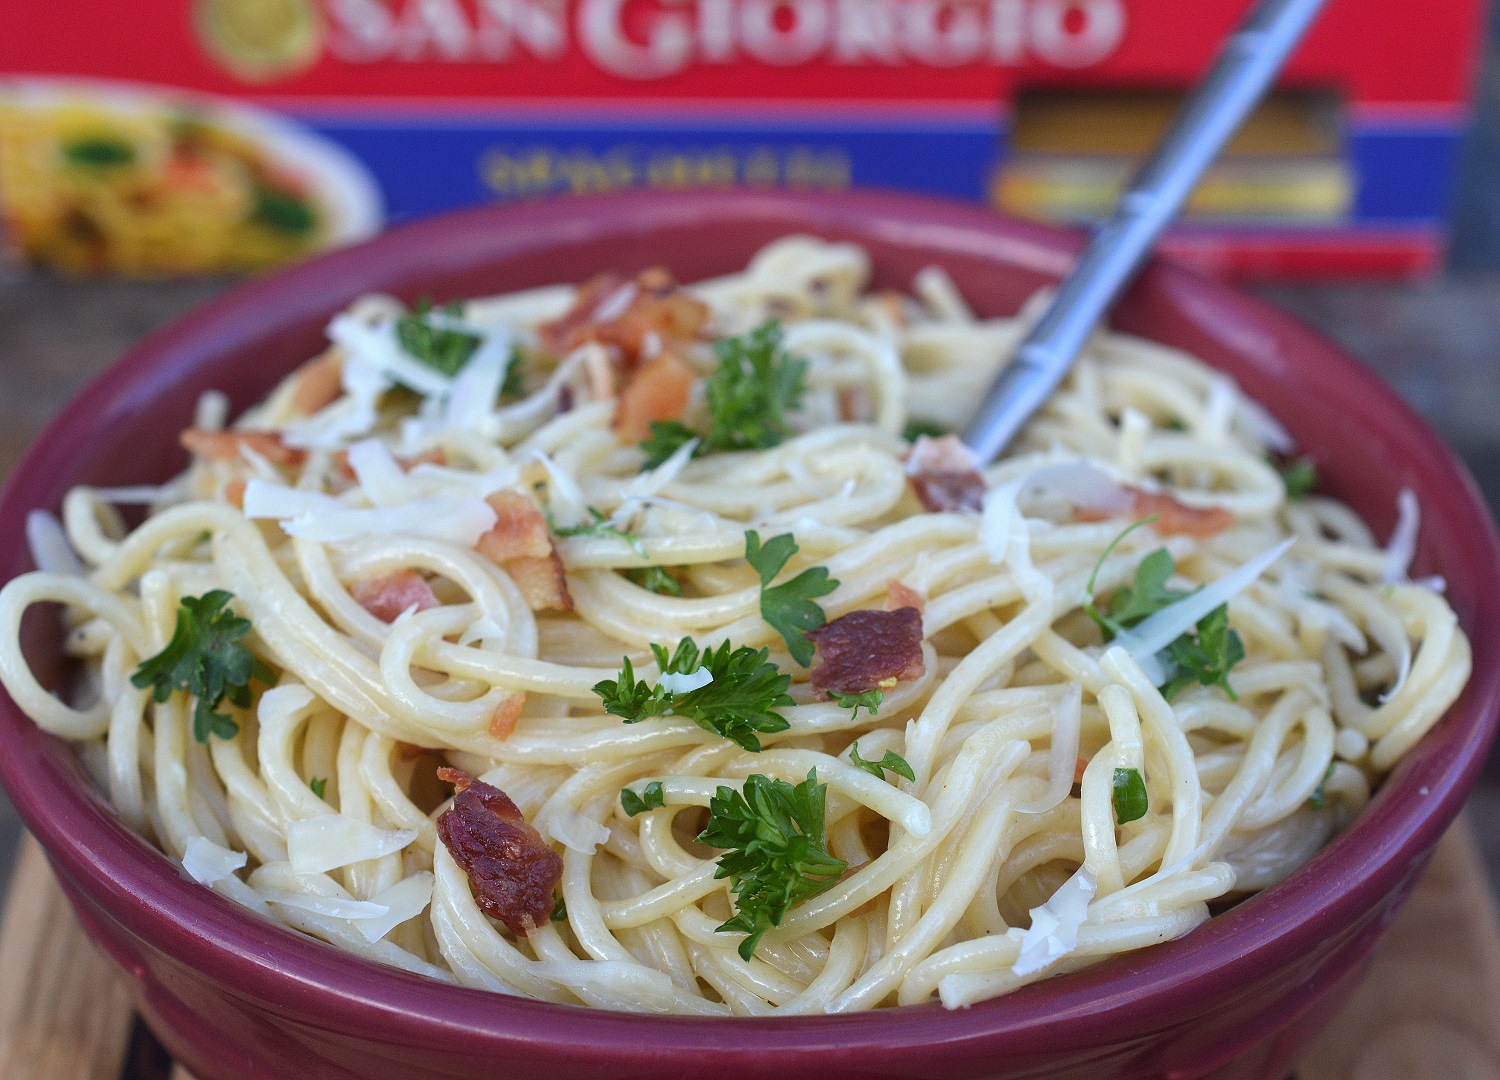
(90,185)
(1124,674)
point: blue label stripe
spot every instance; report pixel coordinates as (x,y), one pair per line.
(1404,174)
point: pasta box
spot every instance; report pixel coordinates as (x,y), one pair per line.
(1038,107)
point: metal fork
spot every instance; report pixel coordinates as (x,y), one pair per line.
(1239,78)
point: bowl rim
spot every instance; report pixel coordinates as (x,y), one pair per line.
(324,987)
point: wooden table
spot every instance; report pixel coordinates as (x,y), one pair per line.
(1426,1012)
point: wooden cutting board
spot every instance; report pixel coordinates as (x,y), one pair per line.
(1427,1011)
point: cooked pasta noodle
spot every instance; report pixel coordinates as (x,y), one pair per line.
(995,865)
(91,184)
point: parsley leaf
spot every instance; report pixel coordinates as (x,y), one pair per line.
(205,658)
(1319,798)
(631,699)
(559,910)
(283,212)
(1149,594)
(513,383)
(1108,624)
(99,151)
(915,429)
(1129,795)
(600,527)
(892,760)
(775,856)
(1203,655)
(755,385)
(655,579)
(665,439)
(788,607)
(870,701)
(438,346)
(319,785)
(740,700)
(1300,476)
(650,798)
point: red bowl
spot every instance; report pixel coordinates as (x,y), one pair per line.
(235,998)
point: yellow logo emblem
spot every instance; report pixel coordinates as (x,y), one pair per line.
(260,40)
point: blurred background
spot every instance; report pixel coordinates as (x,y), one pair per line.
(153,154)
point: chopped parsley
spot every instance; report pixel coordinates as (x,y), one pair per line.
(654,579)
(600,528)
(788,607)
(1300,476)
(206,659)
(1203,655)
(869,701)
(1319,798)
(512,385)
(755,385)
(1133,603)
(99,151)
(559,910)
(915,429)
(283,212)
(650,798)
(439,347)
(1129,795)
(892,761)
(740,699)
(775,852)
(319,785)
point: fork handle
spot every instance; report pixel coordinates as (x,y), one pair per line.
(1246,66)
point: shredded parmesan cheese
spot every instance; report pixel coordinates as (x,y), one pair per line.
(329,841)
(1053,933)
(206,862)
(50,550)
(685,682)
(404,900)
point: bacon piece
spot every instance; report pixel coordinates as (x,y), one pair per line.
(520,530)
(1173,518)
(511,870)
(520,544)
(855,406)
(225,445)
(867,650)
(627,315)
(435,456)
(571,329)
(895,306)
(542,582)
(600,369)
(503,719)
(944,475)
(899,595)
(318,383)
(190,172)
(388,595)
(658,390)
